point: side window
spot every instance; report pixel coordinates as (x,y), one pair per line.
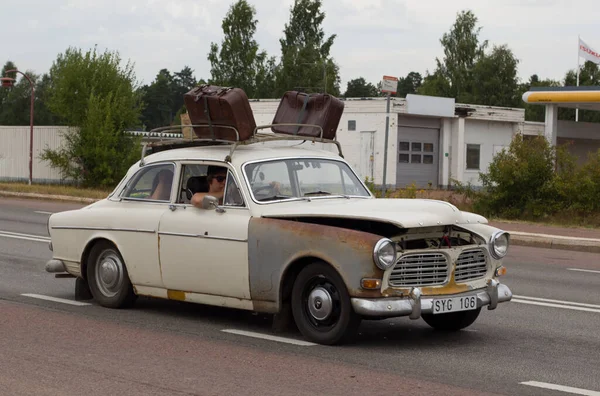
(233,195)
(193,180)
(154,183)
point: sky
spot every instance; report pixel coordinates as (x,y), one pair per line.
(374,37)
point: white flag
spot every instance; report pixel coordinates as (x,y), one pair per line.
(588,53)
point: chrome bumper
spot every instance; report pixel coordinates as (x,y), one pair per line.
(414,305)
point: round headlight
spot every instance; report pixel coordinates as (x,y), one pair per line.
(384,253)
(499,244)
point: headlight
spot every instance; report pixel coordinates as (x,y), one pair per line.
(384,253)
(499,244)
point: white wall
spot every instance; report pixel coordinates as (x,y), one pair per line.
(14,153)
(492,136)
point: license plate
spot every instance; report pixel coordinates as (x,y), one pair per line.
(454,304)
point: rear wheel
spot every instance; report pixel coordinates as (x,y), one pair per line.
(321,305)
(108,278)
(453,321)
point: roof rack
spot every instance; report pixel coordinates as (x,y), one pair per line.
(195,141)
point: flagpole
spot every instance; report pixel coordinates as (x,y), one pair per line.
(578,58)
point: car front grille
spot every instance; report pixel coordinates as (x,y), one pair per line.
(471,264)
(423,269)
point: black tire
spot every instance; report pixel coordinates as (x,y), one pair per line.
(453,321)
(114,289)
(337,324)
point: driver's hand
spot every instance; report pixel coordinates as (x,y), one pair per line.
(276,186)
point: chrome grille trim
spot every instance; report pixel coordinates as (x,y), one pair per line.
(471,264)
(420,269)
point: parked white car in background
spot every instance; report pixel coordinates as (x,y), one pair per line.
(316,241)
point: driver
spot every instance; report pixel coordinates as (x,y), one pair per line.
(215,176)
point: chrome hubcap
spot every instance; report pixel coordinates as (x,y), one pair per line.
(320,303)
(109,273)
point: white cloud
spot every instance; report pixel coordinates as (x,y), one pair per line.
(374,37)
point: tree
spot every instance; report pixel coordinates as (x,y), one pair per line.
(495,81)
(159,101)
(306,63)
(359,88)
(409,84)
(98,100)
(462,50)
(238,62)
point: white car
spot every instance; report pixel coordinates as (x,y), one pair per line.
(296,229)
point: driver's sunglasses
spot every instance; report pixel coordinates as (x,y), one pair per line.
(220,179)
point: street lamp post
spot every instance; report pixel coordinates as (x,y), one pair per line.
(8,82)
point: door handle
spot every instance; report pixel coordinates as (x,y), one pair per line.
(172,207)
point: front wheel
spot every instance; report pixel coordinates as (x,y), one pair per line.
(453,321)
(107,277)
(321,305)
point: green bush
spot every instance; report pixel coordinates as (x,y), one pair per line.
(534,180)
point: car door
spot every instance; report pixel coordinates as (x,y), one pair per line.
(134,224)
(206,250)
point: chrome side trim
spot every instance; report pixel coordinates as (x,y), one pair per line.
(416,304)
(102,229)
(181,234)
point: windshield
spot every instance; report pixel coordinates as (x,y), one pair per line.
(302,178)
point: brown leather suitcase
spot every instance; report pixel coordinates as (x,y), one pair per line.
(213,106)
(301,108)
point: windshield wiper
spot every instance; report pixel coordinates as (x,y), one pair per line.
(317,193)
(274,197)
(326,193)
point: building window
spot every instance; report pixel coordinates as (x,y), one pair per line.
(404,146)
(428,159)
(428,147)
(416,146)
(473,154)
(352,125)
(415,158)
(403,158)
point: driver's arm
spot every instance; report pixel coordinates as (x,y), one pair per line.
(198,197)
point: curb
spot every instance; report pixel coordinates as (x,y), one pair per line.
(548,241)
(48,197)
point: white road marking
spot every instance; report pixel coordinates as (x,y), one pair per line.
(27,237)
(268,337)
(42,212)
(55,299)
(583,270)
(561,388)
(558,301)
(555,305)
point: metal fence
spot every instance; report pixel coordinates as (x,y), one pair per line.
(14,153)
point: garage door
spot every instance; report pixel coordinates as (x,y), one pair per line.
(417,157)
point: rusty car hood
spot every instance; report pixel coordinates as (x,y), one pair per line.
(405,213)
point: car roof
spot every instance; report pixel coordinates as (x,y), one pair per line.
(242,153)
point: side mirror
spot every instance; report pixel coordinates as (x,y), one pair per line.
(210,202)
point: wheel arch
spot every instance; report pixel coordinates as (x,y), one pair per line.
(85,255)
(291,271)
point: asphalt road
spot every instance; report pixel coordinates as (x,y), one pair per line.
(170,348)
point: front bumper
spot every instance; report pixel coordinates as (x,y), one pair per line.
(414,305)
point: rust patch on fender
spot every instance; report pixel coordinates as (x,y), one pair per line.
(176,295)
